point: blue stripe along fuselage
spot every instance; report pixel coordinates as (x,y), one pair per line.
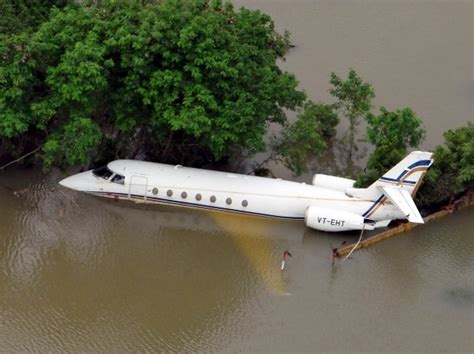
(194,205)
(373,206)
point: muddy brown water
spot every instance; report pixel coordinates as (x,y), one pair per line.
(417,54)
(80,273)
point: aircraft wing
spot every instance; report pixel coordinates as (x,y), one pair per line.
(403,200)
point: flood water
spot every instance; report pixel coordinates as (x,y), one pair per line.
(417,54)
(80,273)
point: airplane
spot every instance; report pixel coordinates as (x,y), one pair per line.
(329,204)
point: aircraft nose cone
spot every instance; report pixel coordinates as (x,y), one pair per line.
(75,182)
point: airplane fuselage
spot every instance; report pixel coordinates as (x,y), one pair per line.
(148,182)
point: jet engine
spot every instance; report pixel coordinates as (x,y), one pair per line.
(334,220)
(332,182)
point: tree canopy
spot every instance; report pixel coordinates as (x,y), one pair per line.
(131,77)
(25,15)
(391,133)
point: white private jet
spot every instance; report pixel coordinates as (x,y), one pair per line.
(329,204)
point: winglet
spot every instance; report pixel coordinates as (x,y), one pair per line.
(402,199)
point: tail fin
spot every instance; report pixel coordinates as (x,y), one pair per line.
(407,173)
(399,185)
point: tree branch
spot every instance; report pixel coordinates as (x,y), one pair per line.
(21,158)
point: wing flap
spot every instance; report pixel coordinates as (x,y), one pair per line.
(402,199)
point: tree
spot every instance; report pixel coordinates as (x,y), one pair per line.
(392,133)
(24,15)
(307,136)
(169,80)
(452,172)
(354,101)
(18,19)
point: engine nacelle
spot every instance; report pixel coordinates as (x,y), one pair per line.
(332,182)
(334,220)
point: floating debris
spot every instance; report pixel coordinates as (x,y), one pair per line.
(285,255)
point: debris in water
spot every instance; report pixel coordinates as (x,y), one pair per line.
(285,254)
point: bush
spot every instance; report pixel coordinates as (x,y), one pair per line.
(452,172)
(307,136)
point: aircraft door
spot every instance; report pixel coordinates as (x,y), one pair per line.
(138,187)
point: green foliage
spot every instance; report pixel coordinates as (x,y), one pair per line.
(15,79)
(392,133)
(354,98)
(75,144)
(308,135)
(453,169)
(402,128)
(171,73)
(322,117)
(20,15)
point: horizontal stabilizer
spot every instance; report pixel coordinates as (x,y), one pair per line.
(402,199)
(382,223)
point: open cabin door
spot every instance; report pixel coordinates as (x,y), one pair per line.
(138,187)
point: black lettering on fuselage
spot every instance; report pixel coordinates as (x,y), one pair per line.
(332,222)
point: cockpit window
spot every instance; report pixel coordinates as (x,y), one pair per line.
(118,179)
(102,172)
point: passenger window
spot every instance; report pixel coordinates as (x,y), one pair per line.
(119,179)
(102,172)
